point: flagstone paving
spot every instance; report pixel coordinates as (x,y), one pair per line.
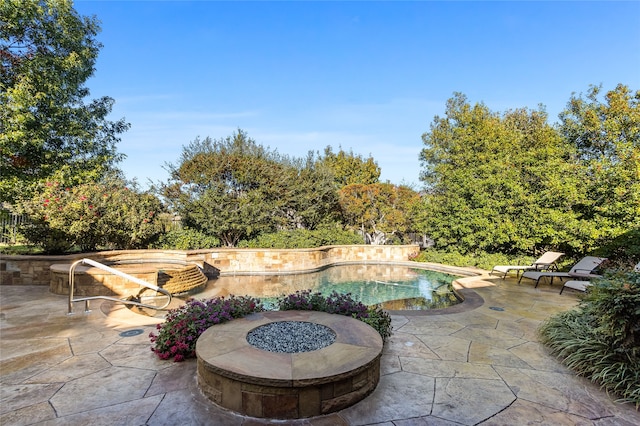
(479,366)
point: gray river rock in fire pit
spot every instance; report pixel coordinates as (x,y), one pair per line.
(291,337)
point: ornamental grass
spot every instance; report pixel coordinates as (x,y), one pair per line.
(600,339)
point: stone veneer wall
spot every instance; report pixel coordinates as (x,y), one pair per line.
(35,270)
(265,261)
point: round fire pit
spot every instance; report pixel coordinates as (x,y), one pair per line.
(288,377)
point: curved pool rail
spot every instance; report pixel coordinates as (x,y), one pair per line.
(113,299)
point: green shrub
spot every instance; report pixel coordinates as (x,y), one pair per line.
(480,260)
(186,239)
(615,303)
(108,214)
(20,249)
(600,339)
(623,249)
(303,238)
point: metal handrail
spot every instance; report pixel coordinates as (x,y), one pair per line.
(114,299)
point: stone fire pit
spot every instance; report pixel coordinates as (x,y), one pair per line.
(303,382)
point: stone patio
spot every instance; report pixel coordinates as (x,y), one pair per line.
(480,365)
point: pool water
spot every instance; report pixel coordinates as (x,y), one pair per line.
(391,286)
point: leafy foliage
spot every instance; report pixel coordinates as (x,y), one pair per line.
(511,183)
(348,168)
(313,202)
(625,248)
(91,215)
(304,238)
(615,303)
(178,335)
(378,210)
(498,183)
(186,239)
(484,261)
(339,304)
(606,134)
(601,338)
(47,54)
(235,189)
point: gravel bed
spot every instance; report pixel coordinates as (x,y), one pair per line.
(291,337)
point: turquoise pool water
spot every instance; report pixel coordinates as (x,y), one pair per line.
(392,286)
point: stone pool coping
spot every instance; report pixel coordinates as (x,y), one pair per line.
(463,287)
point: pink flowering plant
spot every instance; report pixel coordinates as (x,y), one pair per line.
(340,304)
(177,336)
(108,214)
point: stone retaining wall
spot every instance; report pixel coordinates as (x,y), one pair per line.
(35,270)
(265,261)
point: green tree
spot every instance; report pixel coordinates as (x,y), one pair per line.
(312,200)
(235,189)
(348,168)
(499,182)
(379,210)
(47,53)
(606,134)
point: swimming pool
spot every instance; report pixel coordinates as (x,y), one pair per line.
(394,287)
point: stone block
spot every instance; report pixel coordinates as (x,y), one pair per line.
(232,395)
(326,391)
(252,404)
(360,380)
(280,406)
(309,402)
(342,387)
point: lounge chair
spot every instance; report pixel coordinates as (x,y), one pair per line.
(582,285)
(546,262)
(576,285)
(583,269)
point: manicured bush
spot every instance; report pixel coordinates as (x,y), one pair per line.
(186,239)
(304,238)
(600,339)
(479,260)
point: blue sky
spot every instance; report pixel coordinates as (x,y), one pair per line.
(365,76)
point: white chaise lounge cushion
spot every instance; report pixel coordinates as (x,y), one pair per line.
(546,262)
(577,285)
(583,269)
